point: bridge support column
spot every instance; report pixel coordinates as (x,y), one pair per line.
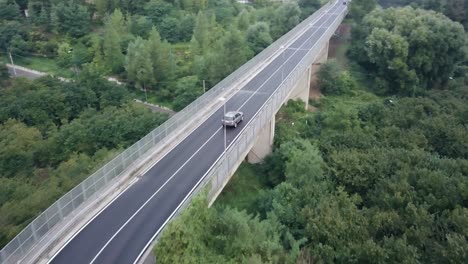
(263,144)
(309,78)
(321,58)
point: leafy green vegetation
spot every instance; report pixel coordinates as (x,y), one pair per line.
(152,45)
(372,176)
(244,187)
(409,50)
(54,134)
(454,9)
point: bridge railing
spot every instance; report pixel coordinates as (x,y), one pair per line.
(233,156)
(226,165)
(69,205)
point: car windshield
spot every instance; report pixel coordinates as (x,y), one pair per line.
(229,118)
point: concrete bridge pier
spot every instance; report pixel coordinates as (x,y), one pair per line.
(309,78)
(263,144)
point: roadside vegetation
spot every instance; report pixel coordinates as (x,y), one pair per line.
(164,48)
(378,174)
(53,134)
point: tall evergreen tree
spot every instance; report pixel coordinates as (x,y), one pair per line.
(160,56)
(72,18)
(115,29)
(200,37)
(138,64)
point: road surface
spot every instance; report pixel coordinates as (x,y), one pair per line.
(120,232)
(18,71)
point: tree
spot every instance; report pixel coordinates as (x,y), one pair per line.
(285,18)
(200,38)
(309,7)
(204,240)
(72,18)
(359,8)
(140,26)
(157,10)
(17,146)
(327,75)
(64,52)
(4,75)
(258,37)
(234,51)
(456,10)
(8,31)
(9,10)
(187,90)
(243,20)
(19,46)
(138,64)
(80,55)
(186,27)
(405,52)
(169,29)
(41,12)
(115,29)
(160,56)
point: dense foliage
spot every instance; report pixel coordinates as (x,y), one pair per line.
(365,179)
(409,50)
(53,134)
(454,9)
(150,44)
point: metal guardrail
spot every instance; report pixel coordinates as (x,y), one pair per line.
(126,161)
(227,164)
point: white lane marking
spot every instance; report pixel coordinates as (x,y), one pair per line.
(147,201)
(90,220)
(282,65)
(235,138)
(325,13)
(189,193)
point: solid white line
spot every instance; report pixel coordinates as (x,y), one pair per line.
(89,221)
(149,199)
(282,65)
(235,138)
(326,12)
(132,182)
(202,178)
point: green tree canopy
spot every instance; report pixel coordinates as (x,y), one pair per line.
(72,18)
(258,36)
(409,48)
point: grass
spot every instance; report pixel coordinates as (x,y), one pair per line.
(243,188)
(153,98)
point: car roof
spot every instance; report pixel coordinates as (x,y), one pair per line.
(231,113)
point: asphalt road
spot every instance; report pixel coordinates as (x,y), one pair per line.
(121,231)
(23,72)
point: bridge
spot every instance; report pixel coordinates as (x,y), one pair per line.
(116,214)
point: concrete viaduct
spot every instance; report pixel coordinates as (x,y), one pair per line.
(118,212)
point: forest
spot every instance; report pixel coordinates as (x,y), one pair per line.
(53,134)
(166,48)
(378,173)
